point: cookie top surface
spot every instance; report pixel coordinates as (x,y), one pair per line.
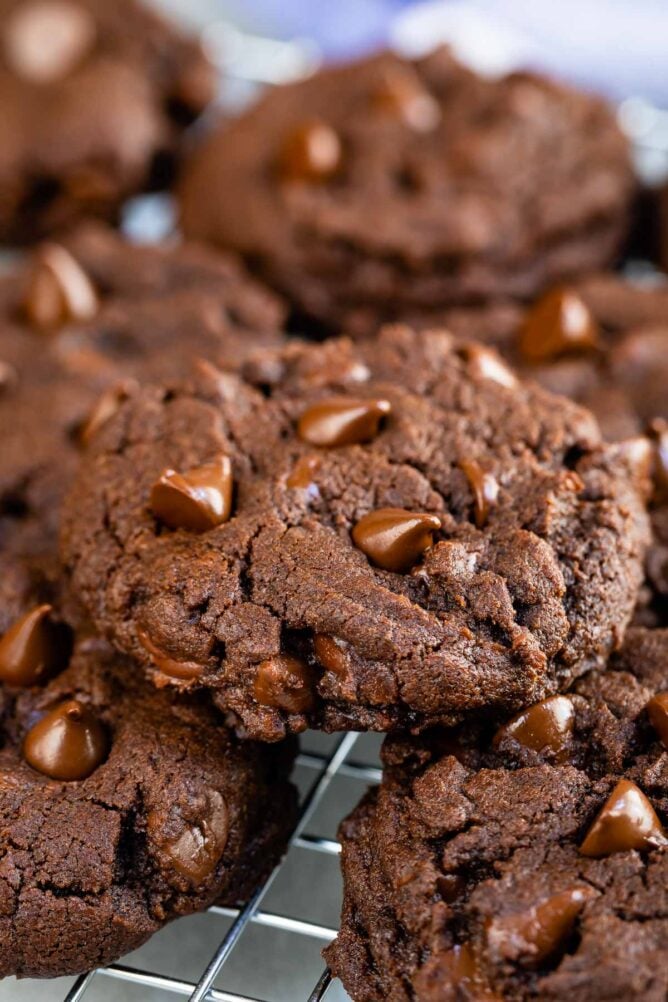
(385,186)
(531,864)
(124,807)
(78,323)
(91,95)
(224,533)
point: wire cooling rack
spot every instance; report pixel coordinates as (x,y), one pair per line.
(269,951)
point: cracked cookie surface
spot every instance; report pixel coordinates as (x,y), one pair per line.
(415,536)
(470,872)
(175,816)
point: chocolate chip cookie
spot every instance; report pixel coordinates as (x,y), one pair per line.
(369,535)
(79,323)
(122,807)
(94,98)
(386,188)
(520,862)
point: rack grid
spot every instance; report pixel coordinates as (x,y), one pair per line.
(318,769)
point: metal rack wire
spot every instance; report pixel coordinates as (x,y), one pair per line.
(325,767)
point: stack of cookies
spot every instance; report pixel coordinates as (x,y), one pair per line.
(393,456)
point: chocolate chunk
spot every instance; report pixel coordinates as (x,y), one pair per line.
(197,849)
(657,710)
(485,490)
(312,152)
(626,821)
(342,421)
(545,727)
(461,971)
(395,539)
(197,500)
(285,682)
(559,323)
(68,743)
(34,648)
(58,290)
(530,938)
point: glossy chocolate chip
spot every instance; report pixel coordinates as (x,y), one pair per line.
(68,743)
(395,539)
(401,94)
(105,408)
(342,421)
(545,727)
(657,711)
(531,937)
(461,969)
(303,474)
(197,500)
(286,683)
(47,39)
(484,487)
(559,323)
(486,364)
(626,821)
(331,653)
(183,671)
(198,847)
(312,152)
(57,290)
(34,648)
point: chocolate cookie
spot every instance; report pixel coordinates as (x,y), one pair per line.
(94,97)
(390,533)
(528,862)
(121,807)
(78,324)
(385,187)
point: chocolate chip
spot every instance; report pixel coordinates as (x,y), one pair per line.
(302,476)
(395,539)
(47,39)
(342,421)
(184,671)
(68,743)
(657,710)
(34,648)
(197,500)
(659,434)
(330,653)
(529,938)
(626,821)
(545,727)
(105,408)
(286,683)
(485,490)
(560,322)
(461,969)
(311,153)
(401,94)
(486,364)
(198,847)
(57,290)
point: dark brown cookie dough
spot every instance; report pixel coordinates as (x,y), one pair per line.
(94,98)
(321,600)
(527,865)
(123,807)
(78,324)
(384,188)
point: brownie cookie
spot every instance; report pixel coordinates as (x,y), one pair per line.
(78,324)
(526,863)
(364,535)
(385,187)
(122,808)
(94,98)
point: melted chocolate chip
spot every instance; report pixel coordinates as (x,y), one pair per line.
(342,421)
(311,153)
(196,851)
(461,968)
(485,490)
(285,683)
(45,40)
(34,648)
(184,671)
(626,821)
(545,727)
(657,710)
(486,364)
(68,743)
(58,290)
(560,322)
(395,539)
(330,653)
(105,408)
(401,94)
(197,500)
(302,476)
(529,938)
